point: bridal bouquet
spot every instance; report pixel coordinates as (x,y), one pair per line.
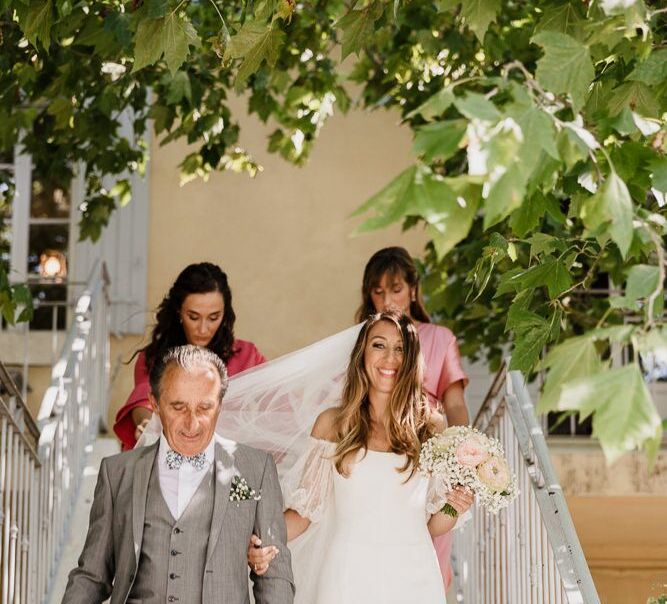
(464,456)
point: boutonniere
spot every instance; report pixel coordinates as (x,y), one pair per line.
(241,490)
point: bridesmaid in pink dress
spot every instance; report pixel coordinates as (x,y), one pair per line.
(197,310)
(390,281)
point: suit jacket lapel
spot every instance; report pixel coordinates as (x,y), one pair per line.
(142,474)
(225,470)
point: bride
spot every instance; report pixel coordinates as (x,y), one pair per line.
(357,484)
(359,515)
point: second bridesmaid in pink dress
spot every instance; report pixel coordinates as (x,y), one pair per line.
(391,281)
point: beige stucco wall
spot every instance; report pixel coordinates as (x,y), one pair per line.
(624,540)
(282,237)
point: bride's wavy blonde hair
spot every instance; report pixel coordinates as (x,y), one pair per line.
(408,419)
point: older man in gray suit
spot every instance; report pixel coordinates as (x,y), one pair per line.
(171,522)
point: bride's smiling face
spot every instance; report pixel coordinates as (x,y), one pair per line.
(383,357)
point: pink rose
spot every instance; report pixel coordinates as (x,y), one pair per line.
(494,473)
(472,451)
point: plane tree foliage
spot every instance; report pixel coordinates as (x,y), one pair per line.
(540,165)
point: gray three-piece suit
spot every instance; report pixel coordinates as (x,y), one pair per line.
(136,552)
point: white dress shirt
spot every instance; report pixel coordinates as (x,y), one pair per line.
(178,486)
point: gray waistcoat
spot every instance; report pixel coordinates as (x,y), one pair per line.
(173,553)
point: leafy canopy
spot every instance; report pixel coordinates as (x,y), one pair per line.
(540,168)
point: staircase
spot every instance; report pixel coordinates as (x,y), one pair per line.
(42,461)
(528,554)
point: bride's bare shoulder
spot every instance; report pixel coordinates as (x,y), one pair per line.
(324,425)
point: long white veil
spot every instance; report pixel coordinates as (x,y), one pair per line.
(273,406)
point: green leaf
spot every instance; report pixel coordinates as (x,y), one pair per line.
(440,139)
(478,14)
(389,203)
(529,215)
(565,18)
(559,280)
(637,96)
(455,216)
(62,109)
(643,280)
(572,359)
(551,273)
(571,148)
(528,345)
(445,6)
(611,208)
(255,43)
(154,9)
(358,26)
(38,23)
(652,71)
(625,416)
(147,43)
(179,88)
(616,333)
(474,105)
(447,205)
(620,7)
(178,34)
(539,134)
(505,196)
(521,320)
(542,243)
(566,67)
(436,105)
(658,169)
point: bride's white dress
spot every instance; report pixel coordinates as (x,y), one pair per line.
(371,543)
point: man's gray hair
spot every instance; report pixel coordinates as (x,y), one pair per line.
(187,357)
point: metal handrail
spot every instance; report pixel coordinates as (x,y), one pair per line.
(39,485)
(529,553)
(17,408)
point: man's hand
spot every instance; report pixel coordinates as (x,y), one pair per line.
(259,558)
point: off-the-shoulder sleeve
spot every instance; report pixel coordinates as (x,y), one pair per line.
(307,487)
(436,496)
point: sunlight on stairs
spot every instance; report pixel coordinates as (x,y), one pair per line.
(102,447)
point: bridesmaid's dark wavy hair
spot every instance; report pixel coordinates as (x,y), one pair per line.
(202,278)
(393,262)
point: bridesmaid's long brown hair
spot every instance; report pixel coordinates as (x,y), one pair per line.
(408,421)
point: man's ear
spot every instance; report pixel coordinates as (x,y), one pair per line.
(153,402)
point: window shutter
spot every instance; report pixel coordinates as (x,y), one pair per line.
(124,247)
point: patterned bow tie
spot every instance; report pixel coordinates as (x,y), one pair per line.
(175,460)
